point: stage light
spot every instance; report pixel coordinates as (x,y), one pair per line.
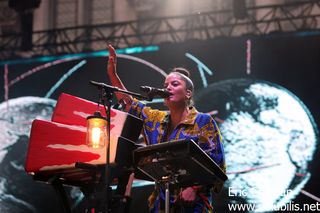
(96,130)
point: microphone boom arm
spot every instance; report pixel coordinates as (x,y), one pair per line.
(109,88)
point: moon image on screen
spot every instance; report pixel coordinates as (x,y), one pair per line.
(18,191)
(269,138)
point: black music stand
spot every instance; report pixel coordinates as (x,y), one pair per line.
(179,163)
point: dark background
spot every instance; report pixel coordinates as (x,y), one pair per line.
(292,61)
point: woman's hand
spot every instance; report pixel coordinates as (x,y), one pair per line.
(188,195)
(112,62)
(112,53)
(114,78)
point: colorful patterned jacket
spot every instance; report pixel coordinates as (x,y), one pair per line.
(199,127)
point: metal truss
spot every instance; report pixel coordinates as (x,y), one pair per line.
(263,20)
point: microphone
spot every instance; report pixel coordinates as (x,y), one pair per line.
(152,92)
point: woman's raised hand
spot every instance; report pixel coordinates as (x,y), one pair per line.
(114,78)
(112,62)
(112,53)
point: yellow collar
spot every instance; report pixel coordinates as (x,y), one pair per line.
(190,119)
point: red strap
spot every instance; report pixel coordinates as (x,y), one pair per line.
(206,201)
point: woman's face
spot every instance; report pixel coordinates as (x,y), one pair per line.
(177,87)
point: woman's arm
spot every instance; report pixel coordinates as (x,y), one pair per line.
(210,141)
(114,78)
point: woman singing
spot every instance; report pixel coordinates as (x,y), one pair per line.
(182,121)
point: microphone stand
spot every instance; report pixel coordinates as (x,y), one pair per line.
(107,94)
(113,89)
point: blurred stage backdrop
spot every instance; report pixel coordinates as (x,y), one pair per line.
(263,92)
